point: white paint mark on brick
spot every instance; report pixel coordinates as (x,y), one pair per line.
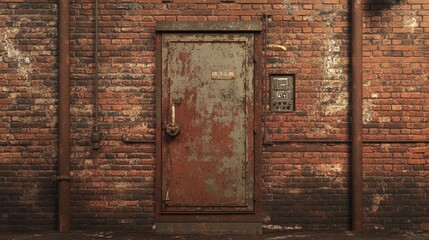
(332,61)
(376,200)
(295,227)
(375,95)
(289,6)
(12,53)
(266,219)
(410,23)
(334,96)
(331,169)
(279,227)
(272,227)
(368,115)
(334,93)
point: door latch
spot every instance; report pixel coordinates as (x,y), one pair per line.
(173,129)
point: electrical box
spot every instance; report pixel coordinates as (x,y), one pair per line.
(282,93)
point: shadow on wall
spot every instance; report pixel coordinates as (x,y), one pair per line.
(379,5)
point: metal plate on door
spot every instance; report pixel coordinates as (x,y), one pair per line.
(223,75)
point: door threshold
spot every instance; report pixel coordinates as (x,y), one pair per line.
(209,228)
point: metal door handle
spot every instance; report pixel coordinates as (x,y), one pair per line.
(172,128)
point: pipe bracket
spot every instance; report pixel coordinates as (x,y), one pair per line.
(60,178)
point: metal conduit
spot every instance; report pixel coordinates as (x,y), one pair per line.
(264,79)
(357,179)
(63,177)
(96,135)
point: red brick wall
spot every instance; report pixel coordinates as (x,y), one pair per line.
(28,110)
(115,186)
(396,97)
(305,185)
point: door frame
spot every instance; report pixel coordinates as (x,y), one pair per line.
(237,27)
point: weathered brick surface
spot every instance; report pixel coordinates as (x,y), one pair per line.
(396,95)
(305,185)
(28,109)
(115,186)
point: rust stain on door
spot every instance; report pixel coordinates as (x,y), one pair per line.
(209,165)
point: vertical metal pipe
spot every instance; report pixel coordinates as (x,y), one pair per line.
(96,68)
(265,78)
(357,179)
(64,117)
(96,135)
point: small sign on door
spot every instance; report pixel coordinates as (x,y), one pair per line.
(223,75)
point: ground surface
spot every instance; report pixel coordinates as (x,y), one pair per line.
(284,235)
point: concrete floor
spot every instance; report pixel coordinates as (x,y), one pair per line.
(270,235)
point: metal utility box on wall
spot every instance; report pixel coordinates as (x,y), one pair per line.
(208,115)
(282,93)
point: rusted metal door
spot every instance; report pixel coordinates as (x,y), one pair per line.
(207,123)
